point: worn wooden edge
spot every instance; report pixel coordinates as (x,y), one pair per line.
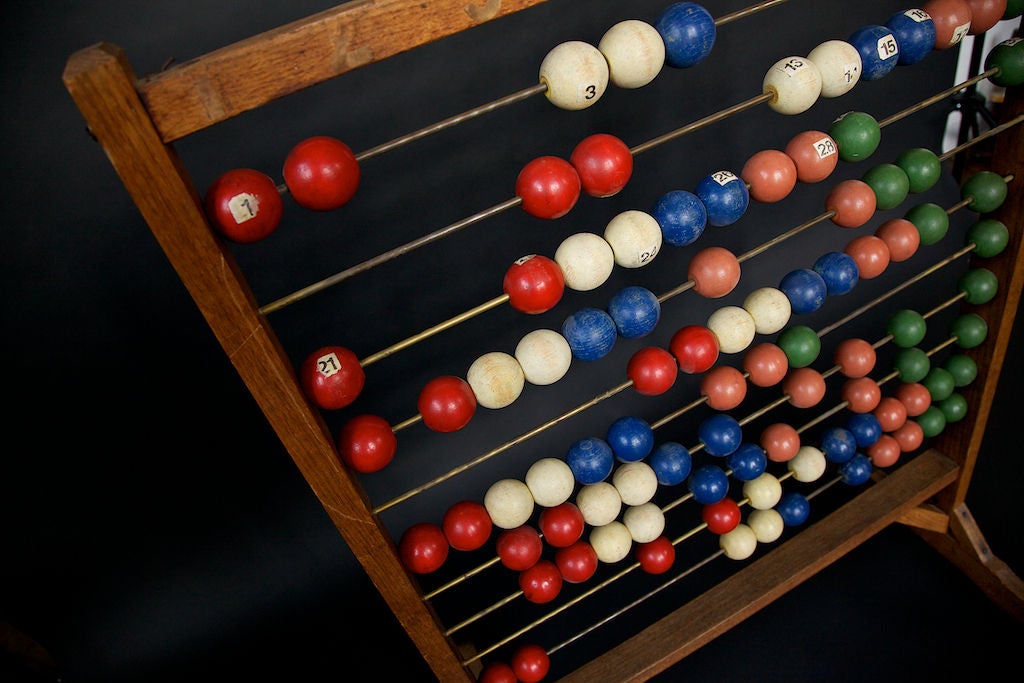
(926,517)
(224,83)
(102,84)
(740,596)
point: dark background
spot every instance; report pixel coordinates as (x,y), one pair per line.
(153,527)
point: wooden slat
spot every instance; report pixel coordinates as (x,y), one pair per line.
(102,84)
(695,624)
(250,73)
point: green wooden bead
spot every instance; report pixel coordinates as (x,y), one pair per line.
(954,408)
(1008,56)
(980,285)
(989,237)
(986,190)
(969,329)
(856,134)
(963,368)
(931,221)
(890,184)
(922,167)
(912,364)
(801,345)
(932,421)
(907,328)
(939,383)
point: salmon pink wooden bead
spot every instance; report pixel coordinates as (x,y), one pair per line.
(870,253)
(910,436)
(815,155)
(901,236)
(715,272)
(771,175)
(853,202)
(861,394)
(855,357)
(884,452)
(915,397)
(724,387)
(891,413)
(952,20)
(780,441)
(805,387)
(766,364)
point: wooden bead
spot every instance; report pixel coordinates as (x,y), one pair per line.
(770,308)
(763,492)
(600,503)
(724,387)
(586,260)
(635,53)
(715,271)
(815,154)
(871,254)
(862,394)
(840,67)
(805,387)
(901,236)
(576,75)
(808,464)
(509,503)
(766,364)
(952,20)
(635,238)
(612,542)
(738,544)
(497,379)
(853,201)
(855,357)
(544,356)
(794,83)
(645,522)
(780,441)
(636,482)
(733,328)
(767,525)
(550,481)
(771,175)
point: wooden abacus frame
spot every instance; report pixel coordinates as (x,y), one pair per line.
(137,120)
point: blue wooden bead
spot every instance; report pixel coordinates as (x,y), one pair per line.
(914,31)
(725,196)
(839,271)
(805,290)
(856,470)
(682,217)
(865,427)
(631,438)
(591,333)
(591,460)
(794,508)
(708,484)
(635,310)
(688,31)
(671,462)
(747,462)
(838,444)
(879,51)
(721,434)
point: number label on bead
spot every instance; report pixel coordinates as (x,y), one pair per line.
(243,207)
(917,15)
(587,92)
(959,32)
(723,178)
(328,364)
(825,147)
(887,47)
(792,66)
(646,256)
(523,259)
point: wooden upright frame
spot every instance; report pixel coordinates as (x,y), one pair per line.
(136,120)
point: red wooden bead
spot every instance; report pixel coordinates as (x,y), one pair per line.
(332,377)
(577,562)
(805,387)
(871,255)
(780,441)
(884,452)
(714,271)
(915,397)
(244,205)
(562,525)
(541,583)
(321,173)
(951,19)
(985,14)
(497,672)
(367,443)
(724,387)
(534,284)
(519,548)
(657,556)
(530,663)
(862,394)
(466,525)
(721,517)
(695,348)
(549,187)
(604,164)
(765,364)
(423,548)
(447,403)
(910,436)
(890,413)
(853,201)
(771,175)
(855,357)
(653,371)
(815,155)
(901,236)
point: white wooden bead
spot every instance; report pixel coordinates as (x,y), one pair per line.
(766,524)
(551,481)
(770,308)
(576,74)
(544,356)
(636,482)
(839,64)
(738,544)
(733,327)
(611,542)
(635,238)
(763,492)
(645,522)
(795,84)
(509,503)
(808,464)
(600,503)
(635,53)
(586,260)
(496,379)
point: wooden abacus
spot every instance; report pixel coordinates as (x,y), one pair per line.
(140,122)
